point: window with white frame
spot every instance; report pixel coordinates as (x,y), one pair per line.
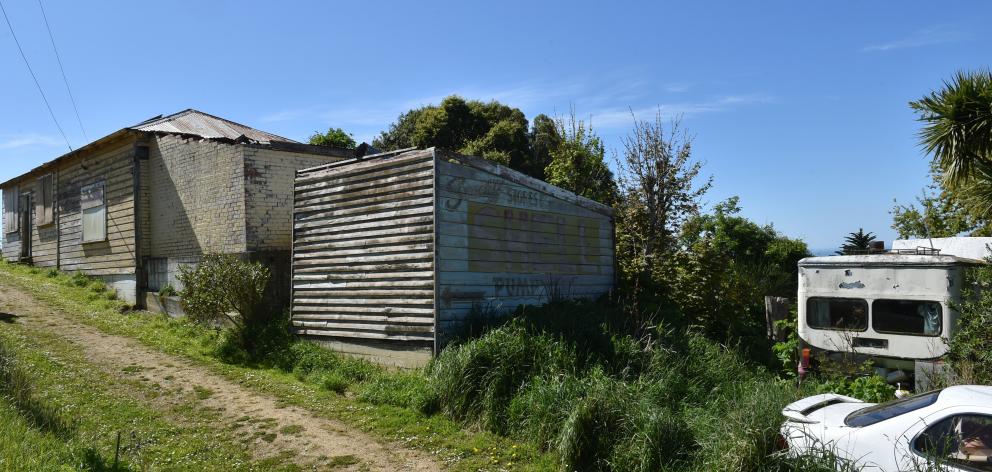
(44,204)
(10,209)
(93,204)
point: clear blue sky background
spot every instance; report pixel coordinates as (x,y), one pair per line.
(797,107)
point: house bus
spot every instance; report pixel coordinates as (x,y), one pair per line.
(893,308)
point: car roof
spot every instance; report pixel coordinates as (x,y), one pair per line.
(966,395)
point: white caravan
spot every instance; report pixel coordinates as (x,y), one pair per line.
(895,308)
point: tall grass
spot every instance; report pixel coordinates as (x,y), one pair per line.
(571,378)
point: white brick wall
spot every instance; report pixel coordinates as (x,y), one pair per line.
(269,176)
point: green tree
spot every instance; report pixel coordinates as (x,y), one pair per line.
(957,127)
(544,138)
(488,129)
(857,243)
(659,190)
(578,162)
(938,213)
(724,266)
(334,137)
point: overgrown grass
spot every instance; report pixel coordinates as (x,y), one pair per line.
(58,412)
(567,379)
(357,392)
(568,386)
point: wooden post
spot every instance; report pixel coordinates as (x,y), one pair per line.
(776,308)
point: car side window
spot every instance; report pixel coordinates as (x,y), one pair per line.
(963,441)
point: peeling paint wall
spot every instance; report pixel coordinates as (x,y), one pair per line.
(504,243)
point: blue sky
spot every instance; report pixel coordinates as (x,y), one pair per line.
(799,108)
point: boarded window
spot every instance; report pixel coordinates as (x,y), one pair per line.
(157,269)
(837,313)
(10,210)
(44,204)
(94,212)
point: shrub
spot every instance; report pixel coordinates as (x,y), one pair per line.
(167,290)
(869,388)
(970,352)
(79,279)
(224,288)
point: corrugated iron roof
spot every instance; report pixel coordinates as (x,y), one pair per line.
(195,122)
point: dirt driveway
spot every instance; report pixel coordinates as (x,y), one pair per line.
(309,441)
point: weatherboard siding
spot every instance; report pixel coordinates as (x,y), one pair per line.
(396,251)
(116,254)
(363,254)
(503,243)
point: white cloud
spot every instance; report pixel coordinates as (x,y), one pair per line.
(938,34)
(27,140)
(608,97)
(612,118)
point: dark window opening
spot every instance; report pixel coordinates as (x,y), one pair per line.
(837,313)
(916,317)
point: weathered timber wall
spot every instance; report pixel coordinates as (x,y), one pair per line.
(59,244)
(506,240)
(363,255)
(114,259)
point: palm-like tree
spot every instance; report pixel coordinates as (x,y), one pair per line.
(958,127)
(857,243)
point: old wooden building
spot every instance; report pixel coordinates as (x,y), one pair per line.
(393,251)
(133,206)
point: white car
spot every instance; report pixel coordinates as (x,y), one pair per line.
(949,429)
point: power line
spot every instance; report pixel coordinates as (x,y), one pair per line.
(43,97)
(64,79)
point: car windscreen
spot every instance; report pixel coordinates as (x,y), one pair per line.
(884,411)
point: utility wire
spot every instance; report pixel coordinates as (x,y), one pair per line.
(64,79)
(43,97)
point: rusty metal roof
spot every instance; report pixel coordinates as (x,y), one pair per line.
(197,123)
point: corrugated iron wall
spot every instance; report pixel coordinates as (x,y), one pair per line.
(363,251)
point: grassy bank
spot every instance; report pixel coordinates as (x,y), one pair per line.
(356,392)
(58,412)
(568,386)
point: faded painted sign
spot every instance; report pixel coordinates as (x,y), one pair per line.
(517,240)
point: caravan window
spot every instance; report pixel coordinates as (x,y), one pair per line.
(906,317)
(837,313)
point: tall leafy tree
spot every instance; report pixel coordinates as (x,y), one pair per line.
(488,129)
(660,188)
(723,266)
(335,137)
(857,243)
(544,138)
(940,212)
(578,162)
